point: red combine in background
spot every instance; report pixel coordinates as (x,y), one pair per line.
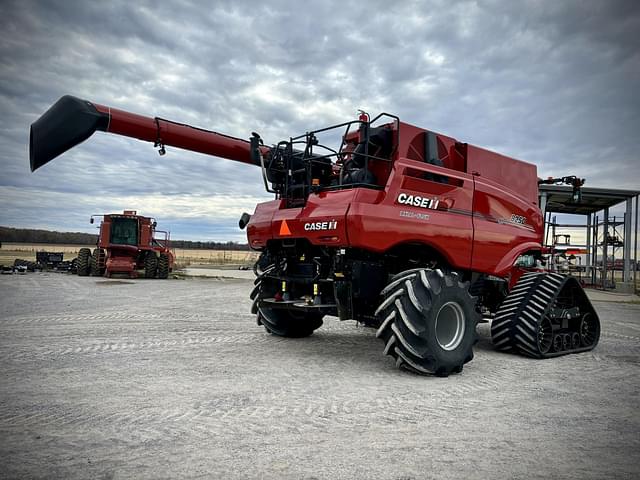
(400,228)
(127,244)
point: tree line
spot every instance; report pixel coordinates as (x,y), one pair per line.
(29,235)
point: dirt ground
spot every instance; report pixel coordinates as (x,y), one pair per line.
(119,379)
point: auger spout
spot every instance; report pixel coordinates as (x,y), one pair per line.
(70,121)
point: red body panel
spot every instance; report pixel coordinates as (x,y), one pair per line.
(387,223)
(508,173)
(472,227)
(500,235)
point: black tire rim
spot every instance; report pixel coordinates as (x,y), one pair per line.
(557,343)
(545,335)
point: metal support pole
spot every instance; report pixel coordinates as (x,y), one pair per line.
(626,251)
(594,252)
(588,263)
(543,204)
(547,221)
(635,248)
(605,246)
(553,242)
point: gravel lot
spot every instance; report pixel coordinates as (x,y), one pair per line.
(173,379)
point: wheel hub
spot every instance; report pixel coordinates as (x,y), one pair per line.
(450,326)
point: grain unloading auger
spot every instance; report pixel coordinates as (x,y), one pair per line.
(400,228)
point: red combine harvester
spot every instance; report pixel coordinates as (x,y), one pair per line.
(400,228)
(127,244)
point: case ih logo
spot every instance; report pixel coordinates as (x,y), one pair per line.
(418,201)
(332,225)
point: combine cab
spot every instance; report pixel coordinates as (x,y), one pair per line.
(127,244)
(400,228)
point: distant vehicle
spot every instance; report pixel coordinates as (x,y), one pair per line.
(127,243)
(6,270)
(20,269)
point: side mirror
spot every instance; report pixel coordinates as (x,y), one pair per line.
(244,220)
(91,220)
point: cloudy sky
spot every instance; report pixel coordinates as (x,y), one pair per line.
(555,83)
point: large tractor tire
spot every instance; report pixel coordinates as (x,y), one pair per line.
(84,262)
(428,321)
(150,265)
(97,262)
(163,266)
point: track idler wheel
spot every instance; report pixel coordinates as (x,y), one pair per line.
(545,335)
(428,321)
(589,330)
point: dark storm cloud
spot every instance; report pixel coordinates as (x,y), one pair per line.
(553,83)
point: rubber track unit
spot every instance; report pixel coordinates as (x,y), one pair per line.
(411,303)
(519,324)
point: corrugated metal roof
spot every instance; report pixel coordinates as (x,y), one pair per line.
(559,199)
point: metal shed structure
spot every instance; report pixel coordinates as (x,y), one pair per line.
(611,243)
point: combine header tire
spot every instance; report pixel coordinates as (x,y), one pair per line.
(150,265)
(282,322)
(84,262)
(163,266)
(97,262)
(288,323)
(428,321)
(546,315)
